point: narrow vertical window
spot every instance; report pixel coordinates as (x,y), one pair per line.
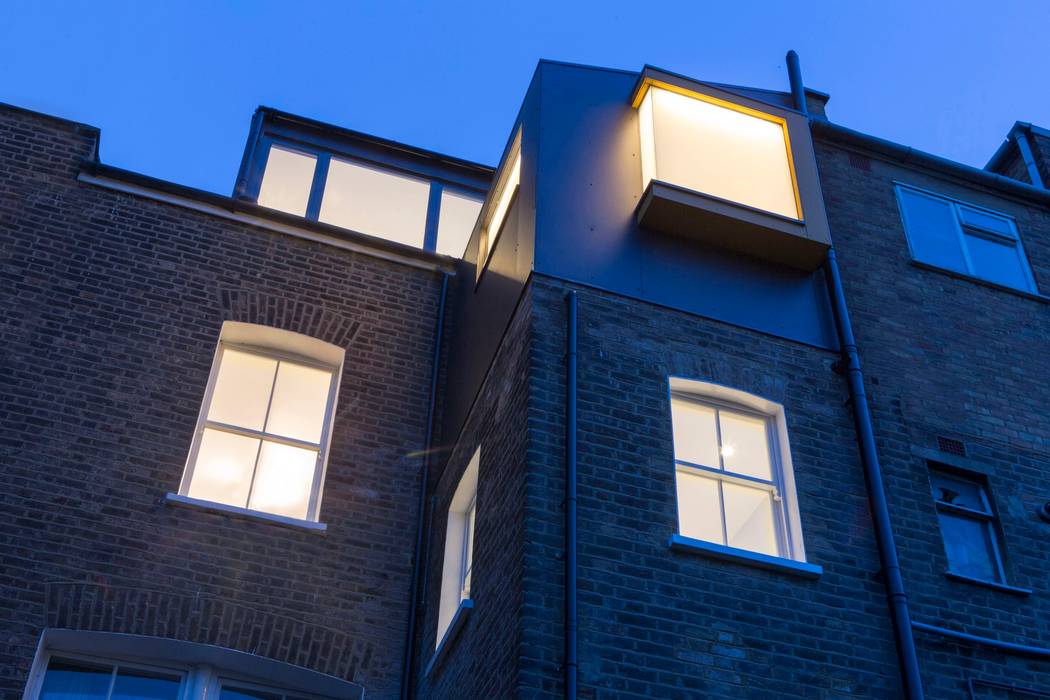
(968,526)
(458,566)
(263,432)
(734,487)
(508,182)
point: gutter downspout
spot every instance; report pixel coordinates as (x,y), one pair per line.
(417,565)
(911,679)
(1009,647)
(1020,136)
(571,662)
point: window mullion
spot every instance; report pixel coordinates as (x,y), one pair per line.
(718,433)
(258,450)
(960,232)
(722,513)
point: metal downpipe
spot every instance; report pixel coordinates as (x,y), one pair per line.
(571,661)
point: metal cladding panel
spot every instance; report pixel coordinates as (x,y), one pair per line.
(588,186)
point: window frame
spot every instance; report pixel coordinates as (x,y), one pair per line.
(987,518)
(324,158)
(963,229)
(322,447)
(487,238)
(457,567)
(787,521)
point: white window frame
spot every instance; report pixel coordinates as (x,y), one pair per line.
(196,681)
(276,344)
(962,229)
(458,564)
(986,517)
(786,519)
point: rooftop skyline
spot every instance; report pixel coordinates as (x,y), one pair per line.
(173,88)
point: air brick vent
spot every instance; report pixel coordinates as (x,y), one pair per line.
(951,446)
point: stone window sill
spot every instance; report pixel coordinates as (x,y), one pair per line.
(294,523)
(688,545)
(1013,590)
(458,620)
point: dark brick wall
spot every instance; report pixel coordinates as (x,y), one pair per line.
(952,357)
(111,308)
(481,659)
(656,623)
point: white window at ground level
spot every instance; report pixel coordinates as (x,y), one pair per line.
(734,483)
(459,547)
(263,433)
(84,678)
(964,238)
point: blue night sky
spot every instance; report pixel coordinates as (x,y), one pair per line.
(173,85)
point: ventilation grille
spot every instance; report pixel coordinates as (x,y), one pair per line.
(950,446)
(860,162)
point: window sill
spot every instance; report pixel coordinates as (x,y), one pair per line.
(680,543)
(1035,296)
(1013,590)
(454,626)
(185,501)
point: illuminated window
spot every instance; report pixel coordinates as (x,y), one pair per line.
(968,526)
(713,147)
(287,180)
(509,182)
(964,238)
(734,483)
(264,427)
(376,202)
(459,213)
(459,548)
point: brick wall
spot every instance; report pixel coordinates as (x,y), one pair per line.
(952,357)
(111,309)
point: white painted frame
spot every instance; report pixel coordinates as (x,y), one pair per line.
(455,565)
(787,520)
(279,345)
(961,230)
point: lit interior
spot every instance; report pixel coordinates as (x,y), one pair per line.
(717,150)
(287,180)
(499,213)
(258,404)
(376,202)
(459,213)
(459,547)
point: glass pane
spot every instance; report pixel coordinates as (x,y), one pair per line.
(699,508)
(284,480)
(967,543)
(996,262)
(749,519)
(957,491)
(287,180)
(986,220)
(745,444)
(223,472)
(506,197)
(376,202)
(145,685)
(932,230)
(722,152)
(67,680)
(245,694)
(459,213)
(300,397)
(695,433)
(242,389)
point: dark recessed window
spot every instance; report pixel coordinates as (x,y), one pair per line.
(964,238)
(968,526)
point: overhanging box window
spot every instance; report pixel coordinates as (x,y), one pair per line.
(728,171)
